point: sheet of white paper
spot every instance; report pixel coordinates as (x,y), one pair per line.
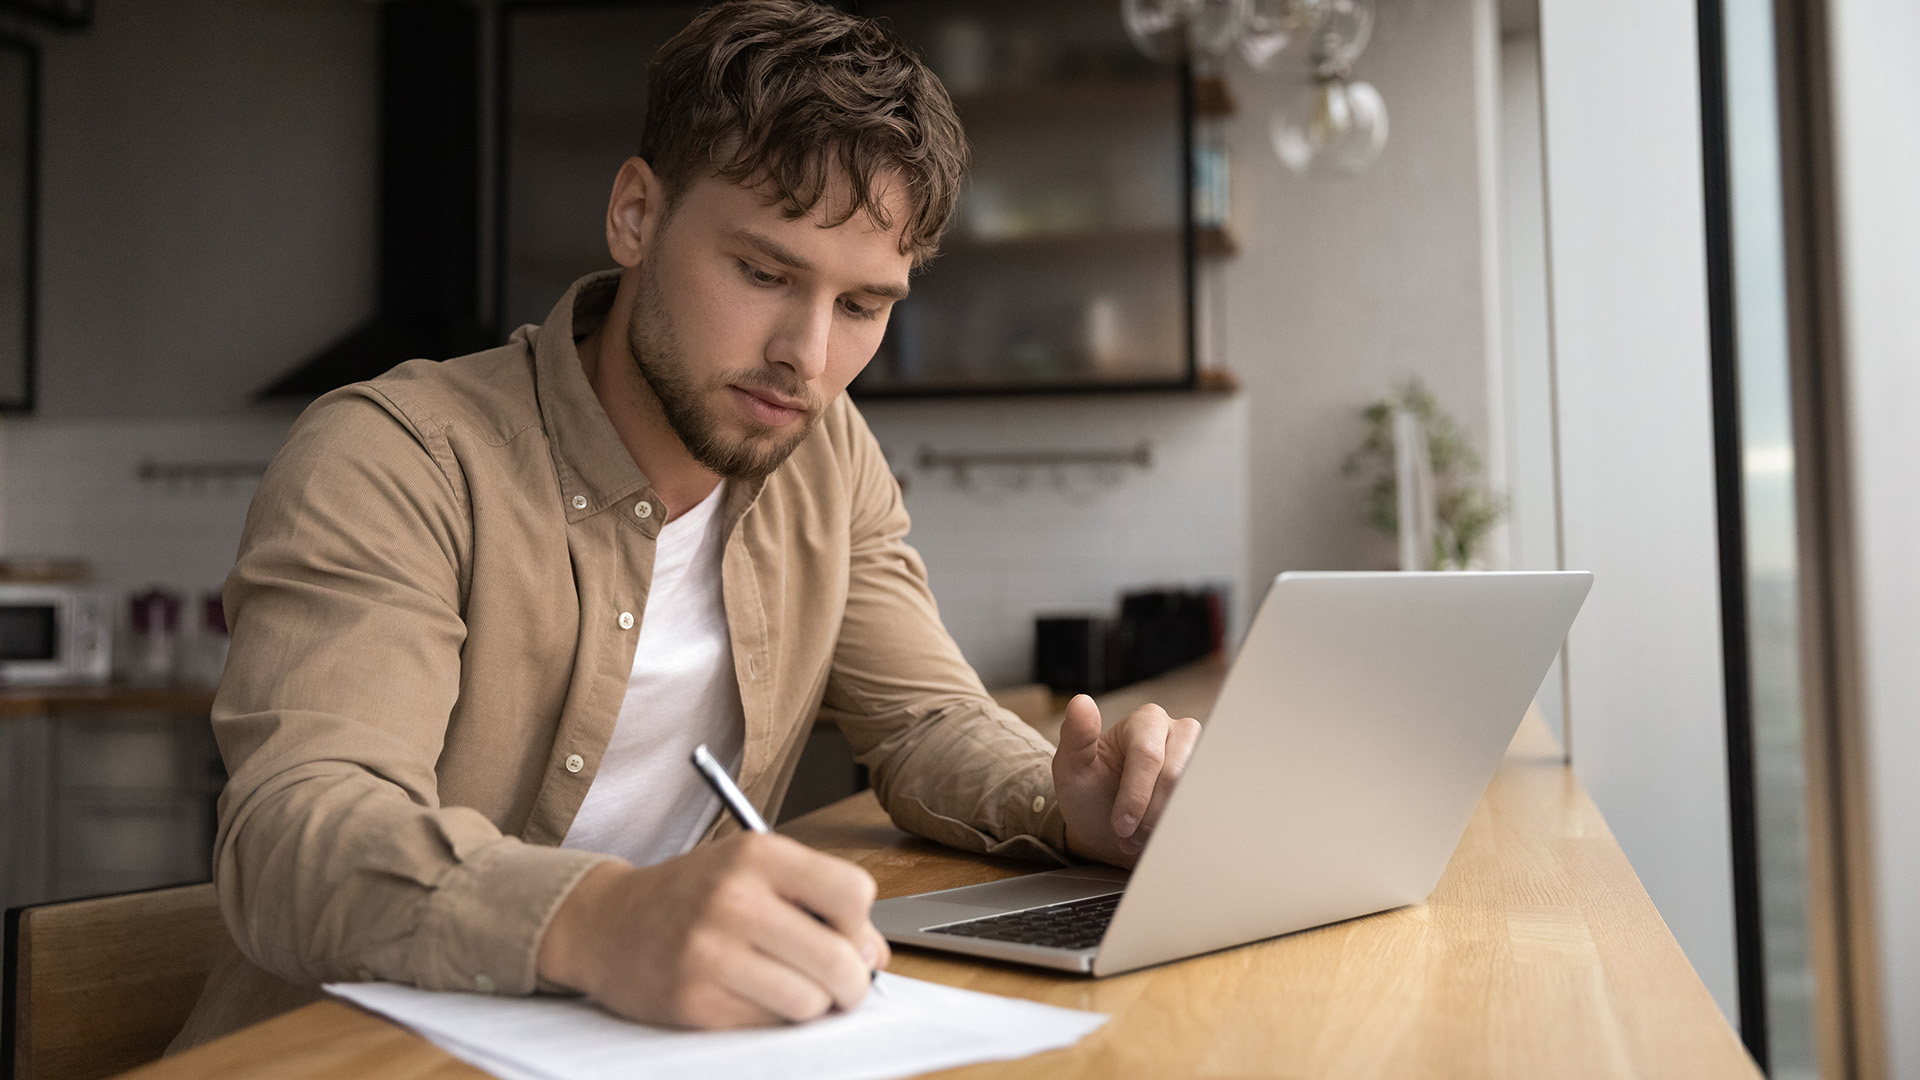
(907,1027)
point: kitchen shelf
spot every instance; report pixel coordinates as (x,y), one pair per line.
(1004,387)
(1049,102)
(1206,381)
(1216,380)
(1076,242)
(1080,187)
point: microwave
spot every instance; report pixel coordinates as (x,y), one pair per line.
(52,634)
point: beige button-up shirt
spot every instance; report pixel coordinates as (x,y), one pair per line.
(435,609)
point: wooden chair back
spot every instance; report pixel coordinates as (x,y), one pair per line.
(95,987)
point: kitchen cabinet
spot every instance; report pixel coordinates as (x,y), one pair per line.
(104,791)
(1068,265)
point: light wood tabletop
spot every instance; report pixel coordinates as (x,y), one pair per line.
(1539,955)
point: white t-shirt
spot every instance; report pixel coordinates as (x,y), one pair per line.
(647,803)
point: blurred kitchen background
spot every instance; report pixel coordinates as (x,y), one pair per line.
(1193,253)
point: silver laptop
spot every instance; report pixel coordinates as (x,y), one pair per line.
(1358,727)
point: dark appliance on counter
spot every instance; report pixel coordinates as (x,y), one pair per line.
(1157,630)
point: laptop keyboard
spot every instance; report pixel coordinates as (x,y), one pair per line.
(1076,924)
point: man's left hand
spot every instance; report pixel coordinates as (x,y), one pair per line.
(1113,785)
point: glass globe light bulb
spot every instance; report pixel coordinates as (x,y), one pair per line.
(1330,125)
(1169,30)
(1339,34)
(1216,24)
(1158,27)
(1274,33)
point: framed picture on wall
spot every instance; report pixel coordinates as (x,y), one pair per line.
(19,190)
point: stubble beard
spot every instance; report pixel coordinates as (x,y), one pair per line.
(691,409)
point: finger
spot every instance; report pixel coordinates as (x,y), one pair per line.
(810,948)
(717,1007)
(873,943)
(764,982)
(1080,729)
(838,892)
(1143,750)
(709,1000)
(1181,737)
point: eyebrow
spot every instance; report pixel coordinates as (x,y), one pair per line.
(785,256)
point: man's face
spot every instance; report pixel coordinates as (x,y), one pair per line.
(747,324)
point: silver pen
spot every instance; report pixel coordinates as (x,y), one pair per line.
(729,792)
(742,810)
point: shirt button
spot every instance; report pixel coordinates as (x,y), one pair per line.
(626,620)
(575,763)
(483,984)
(643,508)
(579,502)
(1039,803)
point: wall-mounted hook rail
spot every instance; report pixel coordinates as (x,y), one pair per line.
(962,463)
(196,472)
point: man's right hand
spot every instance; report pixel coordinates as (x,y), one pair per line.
(724,936)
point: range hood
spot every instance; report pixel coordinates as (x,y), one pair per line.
(429,203)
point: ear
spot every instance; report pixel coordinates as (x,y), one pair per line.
(634,212)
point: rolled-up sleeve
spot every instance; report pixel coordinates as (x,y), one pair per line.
(335,859)
(947,763)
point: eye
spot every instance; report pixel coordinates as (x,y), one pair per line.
(858,310)
(758,276)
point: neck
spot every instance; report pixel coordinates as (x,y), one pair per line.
(677,479)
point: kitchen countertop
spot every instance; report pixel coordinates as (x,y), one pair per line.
(21,701)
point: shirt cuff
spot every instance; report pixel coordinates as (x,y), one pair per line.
(483,926)
(1018,818)
(1033,826)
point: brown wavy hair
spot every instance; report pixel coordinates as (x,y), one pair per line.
(785,95)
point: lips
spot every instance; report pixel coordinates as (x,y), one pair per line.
(767,407)
(778,401)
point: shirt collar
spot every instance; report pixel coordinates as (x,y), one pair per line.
(593,464)
(592,461)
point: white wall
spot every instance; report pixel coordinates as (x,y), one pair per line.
(208,200)
(1347,286)
(71,488)
(1877,136)
(1628,281)
(1012,544)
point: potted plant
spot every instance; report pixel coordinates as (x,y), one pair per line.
(1464,511)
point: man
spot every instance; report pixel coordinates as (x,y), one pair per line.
(483,608)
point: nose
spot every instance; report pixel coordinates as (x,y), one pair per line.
(802,338)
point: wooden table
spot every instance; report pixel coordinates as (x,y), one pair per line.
(1539,955)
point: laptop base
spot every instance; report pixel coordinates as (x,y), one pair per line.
(909,920)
